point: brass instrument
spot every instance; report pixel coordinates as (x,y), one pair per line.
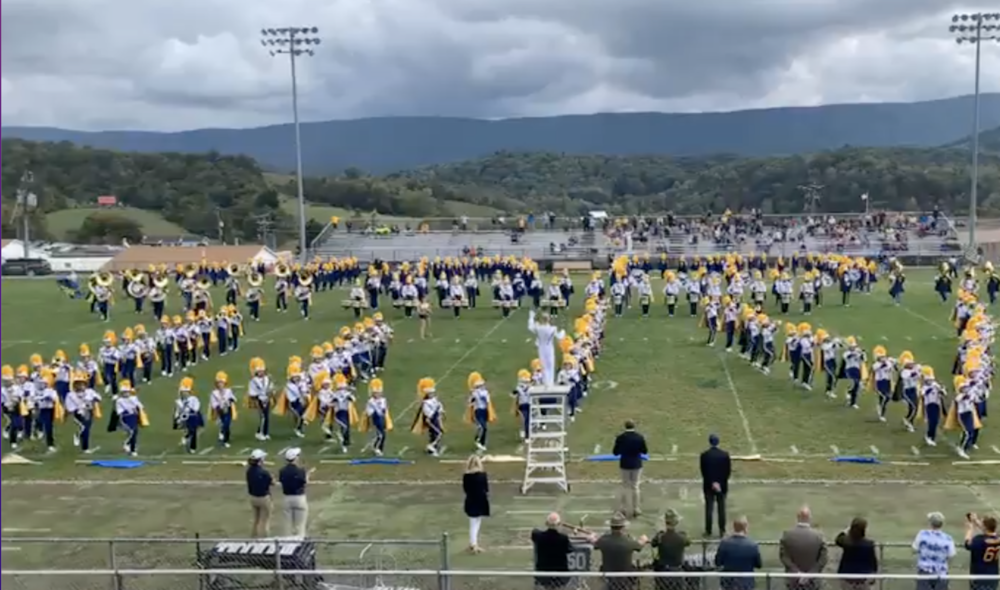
(136,288)
(282,271)
(104,279)
(233,269)
(160,281)
(191,270)
(255,279)
(204,284)
(305,278)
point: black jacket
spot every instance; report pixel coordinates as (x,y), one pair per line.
(716,467)
(859,556)
(477,494)
(630,446)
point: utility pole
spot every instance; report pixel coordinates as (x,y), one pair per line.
(26,202)
(295,42)
(975,28)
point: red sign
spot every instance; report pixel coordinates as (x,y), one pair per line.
(107,200)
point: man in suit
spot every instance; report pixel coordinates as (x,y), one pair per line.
(803,551)
(630,446)
(716,467)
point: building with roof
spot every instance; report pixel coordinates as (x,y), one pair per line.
(141,257)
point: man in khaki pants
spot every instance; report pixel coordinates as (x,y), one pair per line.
(293,479)
(259,483)
(630,448)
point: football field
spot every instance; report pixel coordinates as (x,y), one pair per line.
(654,370)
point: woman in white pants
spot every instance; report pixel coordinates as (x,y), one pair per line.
(476,486)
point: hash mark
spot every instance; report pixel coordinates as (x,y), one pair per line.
(673,450)
(795,450)
(874,449)
(836,451)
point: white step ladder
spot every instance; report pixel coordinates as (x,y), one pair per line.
(547,450)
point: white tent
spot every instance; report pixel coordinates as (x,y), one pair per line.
(13,249)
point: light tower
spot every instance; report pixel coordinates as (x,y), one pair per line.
(295,42)
(975,28)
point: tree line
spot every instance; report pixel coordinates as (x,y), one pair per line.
(197,191)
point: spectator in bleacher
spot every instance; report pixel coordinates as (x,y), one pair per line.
(803,551)
(738,553)
(476,486)
(983,544)
(858,556)
(552,548)
(935,550)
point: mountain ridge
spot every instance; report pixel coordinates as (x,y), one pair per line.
(388,144)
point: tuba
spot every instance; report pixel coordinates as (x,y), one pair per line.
(305,278)
(104,279)
(137,285)
(204,284)
(282,271)
(191,270)
(233,269)
(161,281)
(255,279)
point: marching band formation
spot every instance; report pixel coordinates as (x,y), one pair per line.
(729,295)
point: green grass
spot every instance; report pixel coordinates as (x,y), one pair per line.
(62,223)
(655,370)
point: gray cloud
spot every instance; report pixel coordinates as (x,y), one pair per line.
(176,64)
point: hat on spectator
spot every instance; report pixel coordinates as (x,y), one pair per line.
(257,454)
(671,518)
(292,454)
(618,521)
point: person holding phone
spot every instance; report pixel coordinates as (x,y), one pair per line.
(983,545)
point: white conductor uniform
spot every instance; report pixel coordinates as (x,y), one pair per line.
(545,337)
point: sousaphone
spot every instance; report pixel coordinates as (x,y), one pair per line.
(255,279)
(161,281)
(104,279)
(282,271)
(191,270)
(305,278)
(233,269)
(137,285)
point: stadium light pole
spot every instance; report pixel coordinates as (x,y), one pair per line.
(976,28)
(295,42)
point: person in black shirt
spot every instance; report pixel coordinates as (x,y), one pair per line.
(259,483)
(552,547)
(984,551)
(630,446)
(716,467)
(293,480)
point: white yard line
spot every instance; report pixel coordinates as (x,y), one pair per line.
(24,531)
(983,499)
(739,405)
(928,320)
(874,450)
(468,352)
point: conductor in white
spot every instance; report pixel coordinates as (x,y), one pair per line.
(545,339)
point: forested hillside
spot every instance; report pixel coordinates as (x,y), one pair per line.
(194,191)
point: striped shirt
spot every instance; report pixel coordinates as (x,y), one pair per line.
(934,550)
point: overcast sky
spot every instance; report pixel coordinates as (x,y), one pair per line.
(181,64)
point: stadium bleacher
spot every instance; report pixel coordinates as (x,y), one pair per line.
(903,234)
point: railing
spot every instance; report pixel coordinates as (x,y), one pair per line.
(322,579)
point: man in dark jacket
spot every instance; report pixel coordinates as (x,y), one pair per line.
(630,447)
(716,467)
(552,547)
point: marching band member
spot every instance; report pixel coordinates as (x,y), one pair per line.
(807,293)
(942,282)
(137,290)
(377,416)
(259,395)
(188,416)
(671,290)
(768,329)
(205,326)
(806,355)
(232,287)
(932,396)
(14,407)
(303,294)
(321,403)
(908,387)
(410,295)
(828,360)
(88,365)
(110,356)
(730,317)
(618,293)
(790,350)
(852,367)
(62,370)
(896,282)
(146,347)
(783,287)
(132,416)
(166,342)
(373,285)
(471,289)
(522,402)
(223,407)
(456,293)
(693,288)
(556,294)
(711,319)
(507,297)
(201,298)
(545,337)
(295,397)
(281,288)
(882,373)
(358,296)
(84,404)
(384,334)
(254,295)
(442,286)
(569,376)
(102,296)
(235,328)
(963,415)
(480,408)
(344,413)
(50,410)
(645,295)
(758,291)
(430,418)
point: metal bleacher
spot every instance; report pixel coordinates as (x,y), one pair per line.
(565,239)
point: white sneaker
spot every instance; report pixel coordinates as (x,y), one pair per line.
(930,442)
(963,454)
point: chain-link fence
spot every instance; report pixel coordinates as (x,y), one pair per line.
(221,579)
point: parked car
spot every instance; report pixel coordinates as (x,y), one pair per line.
(25,267)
